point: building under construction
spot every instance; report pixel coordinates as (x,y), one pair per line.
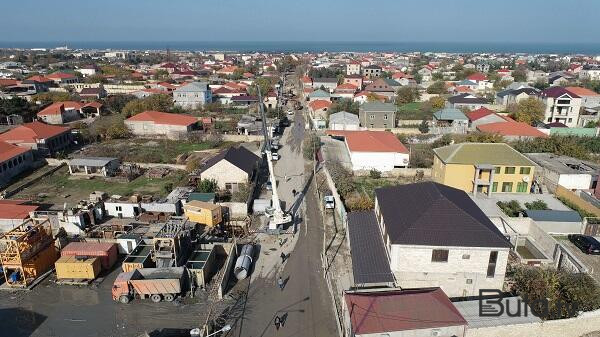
(172,244)
(27,252)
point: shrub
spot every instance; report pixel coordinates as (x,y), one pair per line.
(207,186)
(359,202)
(536,205)
(374,174)
(511,208)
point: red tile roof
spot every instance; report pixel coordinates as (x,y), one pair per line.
(578,91)
(346,86)
(477,77)
(59,107)
(164,118)
(371,141)
(511,128)
(39,78)
(59,75)
(306,79)
(556,92)
(14,209)
(319,104)
(31,132)
(8,81)
(390,311)
(8,151)
(479,113)
(96,105)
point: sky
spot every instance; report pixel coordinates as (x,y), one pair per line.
(523,21)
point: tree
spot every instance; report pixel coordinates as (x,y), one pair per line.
(311,145)
(541,84)
(161,75)
(344,104)
(116,103)
(511,208)
(242,194)
(374,174)
(407,94)
(15,106)
(207,186)
(536,205)
(160,102)
(437,102)
(520,75)
(51,97)
(264,83)
(529,110)
(424,127)
(118,130)
(483,137)
(438,87)
(359,202)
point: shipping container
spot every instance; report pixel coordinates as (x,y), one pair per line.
(108,252)
(78,267)
(141,257)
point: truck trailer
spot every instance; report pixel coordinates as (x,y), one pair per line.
(155,283)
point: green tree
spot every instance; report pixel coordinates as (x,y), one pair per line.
(51,97)
(520,75)
(161,75)
(344,104)
(529,110)
(438,87)
(116,103)
(15,106)
(483,137)
(264,83)
(310,146)
(537,205)
(160,102)
(407,94)
(207,186)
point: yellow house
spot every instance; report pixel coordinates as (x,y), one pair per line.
(483,168)
(203,212)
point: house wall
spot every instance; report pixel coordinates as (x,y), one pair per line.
(380,161)
(122,209)
(451,276)
(458,331)
(142,128)
(461,176)
(52,145)
(377,119)
(556,227)
(567,114)
(575,181)
(486,120)
(14,166)
(191,100)
(224,172)
(52,119)
(342,126)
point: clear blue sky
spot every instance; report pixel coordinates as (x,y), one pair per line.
(302,20)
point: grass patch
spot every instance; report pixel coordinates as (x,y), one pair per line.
(413,111)
(367,185)
(61,187)
(149,151)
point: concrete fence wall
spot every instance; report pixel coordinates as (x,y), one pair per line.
(339,205)
(398,172)
(242,138)
(585,323)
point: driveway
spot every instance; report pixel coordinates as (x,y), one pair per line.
(592,262)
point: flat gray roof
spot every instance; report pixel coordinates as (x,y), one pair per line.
(91,161)
(564,164)
(470,311)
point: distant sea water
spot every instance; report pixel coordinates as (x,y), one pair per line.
(321,46)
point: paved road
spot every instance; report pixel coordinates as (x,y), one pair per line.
(305,301)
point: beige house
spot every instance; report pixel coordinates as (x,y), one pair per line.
(163,124)
(483,168)
(231,168)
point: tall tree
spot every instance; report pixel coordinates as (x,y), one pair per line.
(528,110)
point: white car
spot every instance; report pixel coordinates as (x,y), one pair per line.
(275,156)
(290,112)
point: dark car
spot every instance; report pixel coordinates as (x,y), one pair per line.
(586,243)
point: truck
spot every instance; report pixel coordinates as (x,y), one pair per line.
(155,283)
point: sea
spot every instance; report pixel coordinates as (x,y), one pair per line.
(321,46)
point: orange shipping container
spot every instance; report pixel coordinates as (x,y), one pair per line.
(105,250)
(72,267)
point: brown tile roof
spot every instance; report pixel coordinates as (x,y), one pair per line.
(371,141)
(512,129)
(31,132)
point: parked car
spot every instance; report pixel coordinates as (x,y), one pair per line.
(275,155)
(329,202)
(291,112)
(586,243)
(269,185)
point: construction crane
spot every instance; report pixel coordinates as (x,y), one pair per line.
(277,217)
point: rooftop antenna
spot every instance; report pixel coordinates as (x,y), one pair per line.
(277,217)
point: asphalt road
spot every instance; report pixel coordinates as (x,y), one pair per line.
(305,302)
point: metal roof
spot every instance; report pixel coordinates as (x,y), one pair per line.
(369,260)
(432,214)
(553,215)
(482,153)
(448,114)
(344,117)
(378,107)
(470,311)
(91,161)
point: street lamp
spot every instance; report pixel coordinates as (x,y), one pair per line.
(196,331)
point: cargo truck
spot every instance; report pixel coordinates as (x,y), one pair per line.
(155,283)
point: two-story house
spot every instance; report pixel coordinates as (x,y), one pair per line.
(436,236)
(483,168)
(377,115)
(562,106)
(372,71)
(353,68)
(384,87)
(329,83)
(43,139)
(192,95)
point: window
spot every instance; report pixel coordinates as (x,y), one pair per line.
(372,116)
(522,187)
(119,208)
(228,186)
(385,117)
(525,170)
(509,170)
(507,187)
(469,281)
(497,171)
(466,256)
(491,271)
(439,255)
(495,187)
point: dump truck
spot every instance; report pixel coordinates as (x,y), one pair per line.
(155,283)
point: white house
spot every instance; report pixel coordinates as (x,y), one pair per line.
(562,106)
(436,236)
(192,95)
(570,173)
(344,121)
(122,208)
(373,150)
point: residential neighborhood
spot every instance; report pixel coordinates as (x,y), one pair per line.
(358,188)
